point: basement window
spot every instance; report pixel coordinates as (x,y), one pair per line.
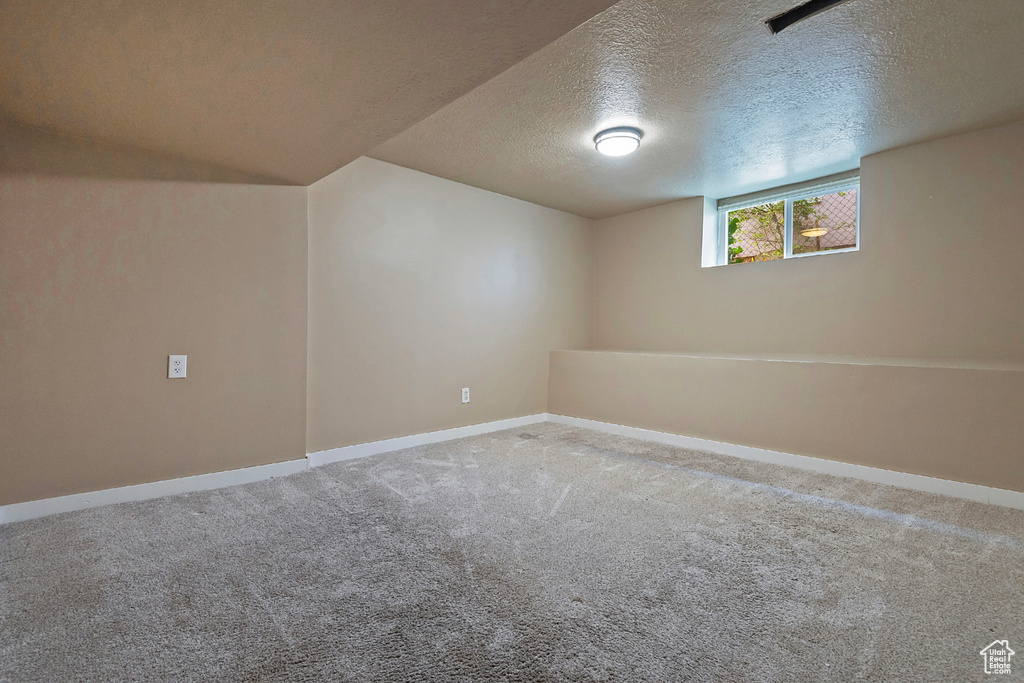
(818,217)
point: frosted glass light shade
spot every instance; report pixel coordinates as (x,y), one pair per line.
(617,142)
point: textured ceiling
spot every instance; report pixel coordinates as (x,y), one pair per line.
(726,107)
(289,90)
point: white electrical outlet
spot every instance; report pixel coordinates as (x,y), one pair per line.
(465,395)
(176,366)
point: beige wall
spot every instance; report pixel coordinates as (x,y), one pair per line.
(420,286)
(110,261)
(938,275)
(911,350)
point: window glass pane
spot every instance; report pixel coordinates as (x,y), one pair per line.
(757,233)
(825,223)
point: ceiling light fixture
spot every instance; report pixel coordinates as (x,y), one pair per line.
(617,142)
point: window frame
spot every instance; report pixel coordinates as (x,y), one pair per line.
(822,186)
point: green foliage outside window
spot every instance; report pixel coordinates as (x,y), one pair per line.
(758,233)
(765,227)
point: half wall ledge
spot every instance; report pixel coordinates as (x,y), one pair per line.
(959,421)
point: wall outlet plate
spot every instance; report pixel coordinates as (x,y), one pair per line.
(176,366)
(465,395)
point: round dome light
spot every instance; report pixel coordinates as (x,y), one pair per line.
(617,142)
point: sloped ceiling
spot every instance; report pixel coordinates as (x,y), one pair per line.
(286,90)
(726,108)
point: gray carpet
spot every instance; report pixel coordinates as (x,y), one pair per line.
(545,553)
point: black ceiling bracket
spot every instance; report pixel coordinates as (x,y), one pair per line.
(799,13)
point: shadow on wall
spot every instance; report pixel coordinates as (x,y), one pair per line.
(36,152)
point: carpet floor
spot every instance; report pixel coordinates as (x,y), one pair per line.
(545,553)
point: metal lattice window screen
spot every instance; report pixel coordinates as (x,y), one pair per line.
(816,223)
(825,223)
(757,233)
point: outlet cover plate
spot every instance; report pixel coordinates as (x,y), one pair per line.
(176,366)
(465,395)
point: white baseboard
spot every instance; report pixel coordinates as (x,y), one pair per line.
(18,512)
(917,482)
(387,445)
